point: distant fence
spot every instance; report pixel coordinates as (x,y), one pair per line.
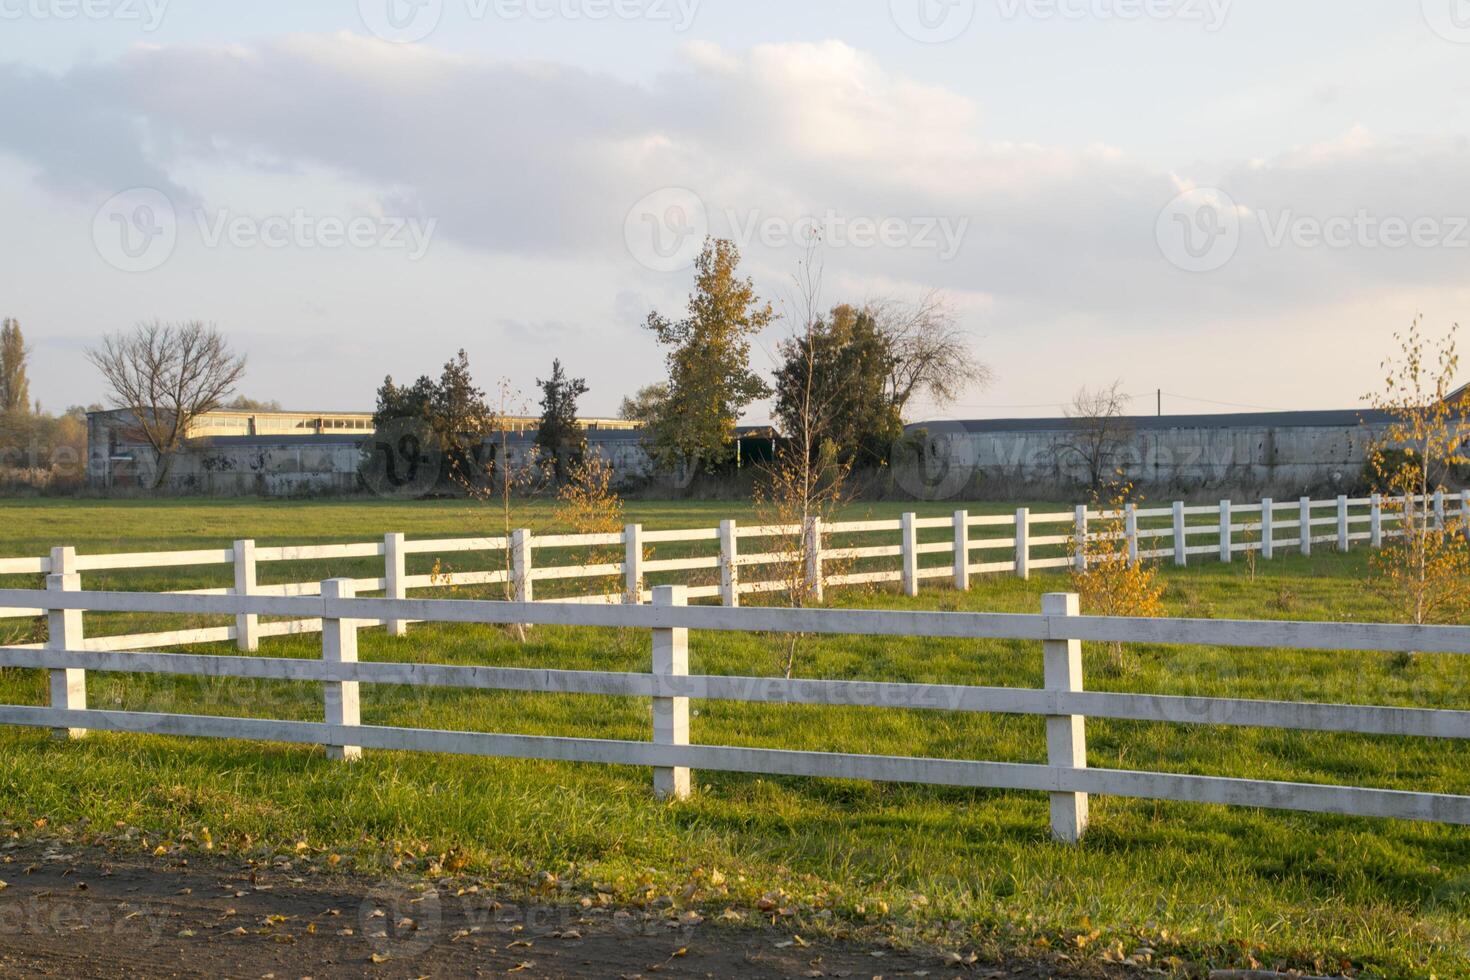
(969,549)
(671,753)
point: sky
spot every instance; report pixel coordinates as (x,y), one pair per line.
(1234,202)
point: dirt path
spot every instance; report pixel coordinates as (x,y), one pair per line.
(68,912)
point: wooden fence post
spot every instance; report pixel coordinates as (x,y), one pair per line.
(1439,510)
(1268,532)
(1066,735)
(1080,539)
(64,632)
(962,550)
(395,575)
(1464,507)
(815,581)
(670,714)
(1181,536)
(729,571)
(1130,531)
(1344,541)
(1375,522)
(910,555)
(247,625)
(339,646)
(633,564)
(1023,543)
(520,561)
(1226,536)
(1306,522)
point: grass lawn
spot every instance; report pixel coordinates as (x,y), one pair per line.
(968,868)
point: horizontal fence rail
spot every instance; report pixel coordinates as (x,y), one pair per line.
(671,754)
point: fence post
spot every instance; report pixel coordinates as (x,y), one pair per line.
(962,550)
(395,576)
(633,564)
(1306,521)
(1439,510)
(520,563)
(1226,537)
(814,577)
(1023,543)
(729,555)
(1130,530)
(670,714)
(910,555)
(339,646)
(247,625)
(1343,541)
(1066,735)
(1268,533)
(64,632)
(1464,507)
(1375,522)
(1181,538)
(1080,559)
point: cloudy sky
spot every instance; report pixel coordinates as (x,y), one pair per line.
(1234,201)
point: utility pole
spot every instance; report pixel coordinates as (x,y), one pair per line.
(1161,403)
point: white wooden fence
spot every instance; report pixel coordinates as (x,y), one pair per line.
(972,545)
(671,753)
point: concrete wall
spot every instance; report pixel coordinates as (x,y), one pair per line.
(1284,453)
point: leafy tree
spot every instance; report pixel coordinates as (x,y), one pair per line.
(14,388)
(645,405)
(833,381)
(710,380)
(1424,564)
(560,436)
(242,404)
(446,420)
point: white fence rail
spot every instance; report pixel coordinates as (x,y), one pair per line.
(672,754)
(973,545)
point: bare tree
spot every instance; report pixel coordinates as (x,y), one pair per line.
(932,356)
(806,484)
(1099,431)
(167,374)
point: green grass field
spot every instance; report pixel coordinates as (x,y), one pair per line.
(972,869)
